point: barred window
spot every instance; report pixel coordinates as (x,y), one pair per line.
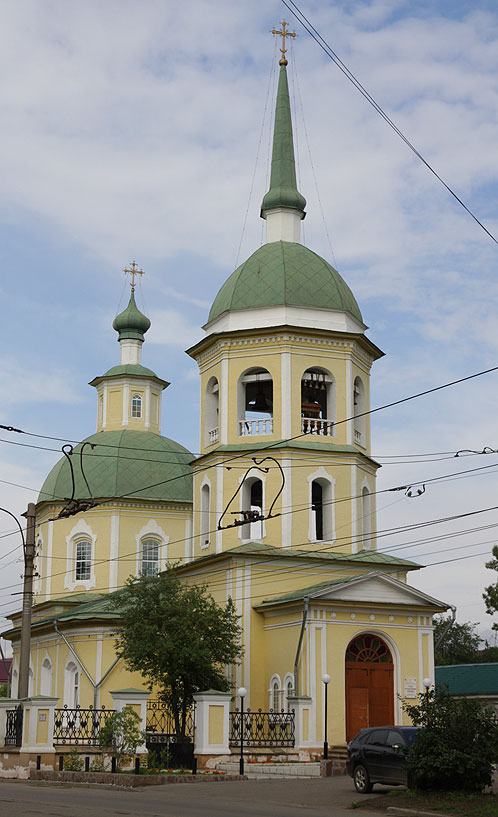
(83,559)
(150,557)
(136,405)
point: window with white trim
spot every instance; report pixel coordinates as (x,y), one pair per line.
(321,522)
(71,685)
(366,513)
(83,560)
(317,402)
(359,409)
(275,694)
(150,557)
(204,526)
(252,500)
(212,411)
(255,403)
(46,677)
(288,691)
(136,405)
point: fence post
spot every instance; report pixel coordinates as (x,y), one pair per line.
(137,700)
(212,726)
(302,718)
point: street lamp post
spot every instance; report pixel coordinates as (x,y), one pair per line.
(242,692)
(326,682)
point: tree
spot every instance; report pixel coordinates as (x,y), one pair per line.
(459,645)
(178,638)
(458,745)
(490,594)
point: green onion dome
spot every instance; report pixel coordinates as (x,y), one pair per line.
(131,323)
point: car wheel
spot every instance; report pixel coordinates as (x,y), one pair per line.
(361,780)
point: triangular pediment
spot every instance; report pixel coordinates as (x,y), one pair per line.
(377,588)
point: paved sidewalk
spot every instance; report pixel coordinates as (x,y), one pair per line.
(272,771)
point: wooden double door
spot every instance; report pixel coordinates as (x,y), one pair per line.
(369,688)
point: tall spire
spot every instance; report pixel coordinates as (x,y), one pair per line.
(283,192)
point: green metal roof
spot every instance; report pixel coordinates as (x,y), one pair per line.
(469,679)
(131,323)
(135,464)
(130,369)
(283,190)
(285,273)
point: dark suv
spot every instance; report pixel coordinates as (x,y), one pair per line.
(378,755)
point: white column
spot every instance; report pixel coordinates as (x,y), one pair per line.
(287,503)
(349,401)
(219,507)
(114,553)
(223,405)
(286,395)
(126,403)
(302,722)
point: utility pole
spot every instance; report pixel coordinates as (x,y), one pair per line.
(27,601)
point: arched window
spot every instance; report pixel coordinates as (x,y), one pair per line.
(252,500)
(366,513)
(46,677)
(211,411)
(204,522)
(368,648)
(71,685)
(255,403)
(101,409)
(275,694)
(288,691)
(317,402)
(31,682)
(322,510)
(14,684)
(136,405)
(83,560)
(150,557)
(359,409)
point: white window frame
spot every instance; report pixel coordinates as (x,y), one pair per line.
(252,531)
(80,531)
(288,687)
(72,684)
(136,406)
(157,545)
(331,389)
(367,528)
(46,676)
(151,530)
(275,694)
(205,513)
(328,507)
(212,412)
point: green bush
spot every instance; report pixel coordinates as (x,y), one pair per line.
(121,735)
(458,745)
(73,762)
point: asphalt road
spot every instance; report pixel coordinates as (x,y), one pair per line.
(327,797)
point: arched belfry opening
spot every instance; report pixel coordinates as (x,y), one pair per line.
(255,403)
(359,409)
(369,684)
(317,402)
(252,500)
(211,411)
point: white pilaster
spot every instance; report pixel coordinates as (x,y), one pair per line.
(147,406)
(126,403)
(349,401)
(48,563)
(286,395)
(219,507)
(114,553)
(223,417)
(287,504)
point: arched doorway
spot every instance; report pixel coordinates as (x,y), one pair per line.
(369,684)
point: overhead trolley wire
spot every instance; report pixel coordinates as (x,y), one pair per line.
(317,37)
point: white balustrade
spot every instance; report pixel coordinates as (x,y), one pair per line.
(311,425)
(262,425)
(213,436)
(357,436)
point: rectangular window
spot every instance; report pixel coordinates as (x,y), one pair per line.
(150,557)
(136,406)
(83,560)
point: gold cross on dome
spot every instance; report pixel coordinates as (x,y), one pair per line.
(132,272)
(283,33)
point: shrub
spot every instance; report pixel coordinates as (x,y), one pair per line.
(73,762)
(458,745)
(121,735)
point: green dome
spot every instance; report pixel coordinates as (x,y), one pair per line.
(285,273)
(133,461)
(131,323)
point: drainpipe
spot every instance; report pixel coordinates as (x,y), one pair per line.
(80,662)
(300,642)
(448,627)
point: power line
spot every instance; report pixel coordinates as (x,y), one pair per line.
(317,37)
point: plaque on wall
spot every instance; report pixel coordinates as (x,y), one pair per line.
(410,689)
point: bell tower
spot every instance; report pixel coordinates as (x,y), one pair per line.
(285,367)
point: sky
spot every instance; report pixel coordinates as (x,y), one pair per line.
(140,131)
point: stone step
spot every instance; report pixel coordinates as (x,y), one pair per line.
(272,770)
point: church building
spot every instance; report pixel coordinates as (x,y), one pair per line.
(278,511)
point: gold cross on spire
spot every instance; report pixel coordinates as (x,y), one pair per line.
(283,33)
(132,272)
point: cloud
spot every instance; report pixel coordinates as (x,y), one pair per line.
(43,386)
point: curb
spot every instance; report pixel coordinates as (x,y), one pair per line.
(412,812)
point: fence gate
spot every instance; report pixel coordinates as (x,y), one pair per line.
(162,739)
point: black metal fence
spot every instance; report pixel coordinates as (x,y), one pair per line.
(162,739)
(262,728)
(79,727)
(13,732)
